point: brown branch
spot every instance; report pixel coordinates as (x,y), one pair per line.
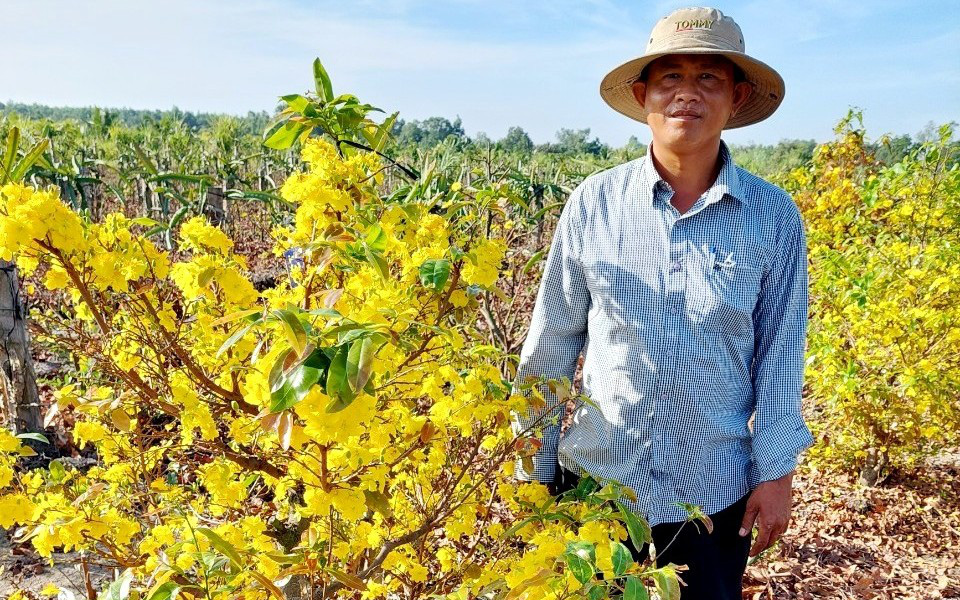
(253,463)
(79,284)
(194,368)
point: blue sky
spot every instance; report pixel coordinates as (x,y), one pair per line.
(495,63)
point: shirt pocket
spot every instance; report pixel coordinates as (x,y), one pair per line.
(726,297)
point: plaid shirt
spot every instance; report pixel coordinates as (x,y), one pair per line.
(690,323)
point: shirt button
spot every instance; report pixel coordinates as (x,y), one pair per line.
(675,266)
(664,395)
(674,309)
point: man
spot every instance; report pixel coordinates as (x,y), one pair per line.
(684,278)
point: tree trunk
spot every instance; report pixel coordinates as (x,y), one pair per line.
(874,467)
(18,383)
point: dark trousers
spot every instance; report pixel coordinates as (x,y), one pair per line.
(715,561)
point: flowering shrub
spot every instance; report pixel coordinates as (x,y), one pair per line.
(884,344)
(344,427)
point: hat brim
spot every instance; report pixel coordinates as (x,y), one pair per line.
(768,89)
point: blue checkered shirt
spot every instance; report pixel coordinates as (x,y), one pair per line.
(689,323)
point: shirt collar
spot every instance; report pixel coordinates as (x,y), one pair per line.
(727,182)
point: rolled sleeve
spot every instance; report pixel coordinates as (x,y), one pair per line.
(780,321)
(558,331)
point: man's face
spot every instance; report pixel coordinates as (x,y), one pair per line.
(689,99)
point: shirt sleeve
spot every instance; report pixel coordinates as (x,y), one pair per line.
(780,323)
(558,331)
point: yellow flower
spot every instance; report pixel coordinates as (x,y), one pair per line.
(16,508)
(88,431)
(8,442)
(196,234)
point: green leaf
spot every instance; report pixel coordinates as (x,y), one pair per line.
(276,376)
(517,527)
(145,160)
(359,361)
(376,261)
(223,546)
(283,135)
(351,581)
(13,142)
(376,239)
(638,528)
(380,138)
(634,589)
(167,591)
(285,559)
(533,260)
(596,591)
(293,328)
(206,276)
(351,332)
(527,463)
(337,386)
(120,588)
(178,216)
(154,231)
(28,160)
(620,557)
(145,221)
(585,550)
(434,273)
(379,502)
(580,568)
(33,436)
(322,81)
(537,215)
(587,485)
(240,314)
(260,196)
(307,374)
(183,178)
(283,397)
(608,492)
(296,102)
(233,339)
(57,471)
(667,584)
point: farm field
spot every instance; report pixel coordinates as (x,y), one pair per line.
(274,356)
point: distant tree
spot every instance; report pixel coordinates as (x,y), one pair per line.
(771,160)
(482,139)
(516,140)
(929,133)
(429,132)
(891,149)
(632,149)
(576,141)
(254,122)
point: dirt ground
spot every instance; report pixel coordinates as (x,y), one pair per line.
(899,540)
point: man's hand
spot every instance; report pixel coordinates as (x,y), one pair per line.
(769,505)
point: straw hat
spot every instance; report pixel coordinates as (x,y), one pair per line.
(697,31)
